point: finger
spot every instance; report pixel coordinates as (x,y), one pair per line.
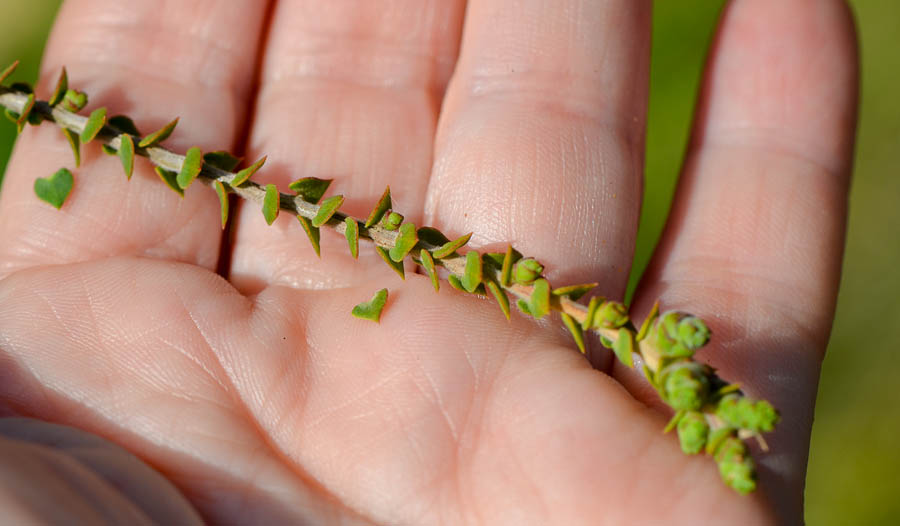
(755,239)
(153,61)
(349,92)
(541,137)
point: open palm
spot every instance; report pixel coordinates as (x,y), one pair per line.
(259,396)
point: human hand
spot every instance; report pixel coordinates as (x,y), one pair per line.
(260,398)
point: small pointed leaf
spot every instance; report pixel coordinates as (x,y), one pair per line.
(8,71)
(397,266)
(500,296)
(327,209)
(62,85)
(221,160)
(245,174)
(474,271)
(428,265)
(405,242)
(509,259)
(54,189)
(540,298)
(93,126)
(190,168)
(26,111)
(451,247)
(624,347)
(158,136)
(351,232)
(648,322)
(523,306)
(124,124)
(371,310)
(384,204)
(170,178)
(109,150)
(222,192)
(575,328)
(75,144)
(311,189)
(126,154)
(456,283)
(432,236)
(311,232)
(574,292)
(592,309)
(271,203)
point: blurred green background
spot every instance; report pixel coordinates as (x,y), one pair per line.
(854,470)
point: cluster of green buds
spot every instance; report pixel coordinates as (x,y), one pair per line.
(711,415)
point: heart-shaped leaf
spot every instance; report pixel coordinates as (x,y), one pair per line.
(54,189)
(405,242)
(158,136)
(451,247)
(351,232)
(94,124)
(310,189)
(222,192)
(311,232)
(245,174)
(371,310)
(62,86)
(271,203)
(327,209)
(190,168)
(384,204)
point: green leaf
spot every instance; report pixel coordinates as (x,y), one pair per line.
(474,271)
(74,100)
(109,150)
(351,232)
(509,259)
(428,265)
(526,271)
(190,168)
(673,421)
(124,124)
(74,143)
(575,329)
(451,247)
(245,174)
(384,204)
(54,189)
(371,310)
(311,232)
(405,242)
(456,283)
(648,322)
(26,111)
(392,221)
(624,346)
(523,306)
(500,296)
(222,192)
(8,71)
(432,236)
(126,154)
(158,136)
(93,126)
(574,292)
(588,322)
(310,189)
(221,160)
(271,203)
(327,209)
(170,178)
(540,299)
(62,85)
(396,265)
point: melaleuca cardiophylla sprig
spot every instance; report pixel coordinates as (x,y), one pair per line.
(711,415)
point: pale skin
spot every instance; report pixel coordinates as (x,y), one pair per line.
(258,396)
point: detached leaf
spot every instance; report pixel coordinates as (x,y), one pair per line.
(74,101)
(500,296)
(327,209)
(310,189)
(126,154)
(75,144)
(540,299)
(311,232)
(451,247)
(428,265)
(271,203)
(371,310)
(397,266)
(574,292)
(575,328)
(473,273)
(54,189)
(222,192)
(124,124)
(170,178)
(624,346)
(190,168)
(158,136)
(62,85)
(26,111)
(352,235)
(405,242)
(8,71)
(245,174)
(93,126)
(384,204)
(221,160)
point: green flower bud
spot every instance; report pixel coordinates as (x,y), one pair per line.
(685,386)
(742,413)
(692,332)
(736,466)
(392,221)
(611,315)
(692,432)
(526,271)
(678,335)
